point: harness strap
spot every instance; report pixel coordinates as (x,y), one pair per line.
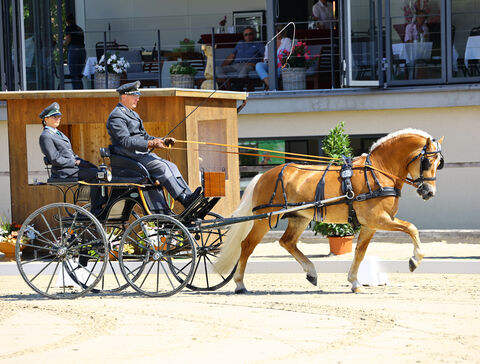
(381,192)
(346,173)
(280,180)
(320,195)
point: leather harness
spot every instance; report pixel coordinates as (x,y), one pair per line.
(346,172)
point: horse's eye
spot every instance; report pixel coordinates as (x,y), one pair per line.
(426,164)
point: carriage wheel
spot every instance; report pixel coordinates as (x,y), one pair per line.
(65,251)
(154,250)
(208,244)
(113,279)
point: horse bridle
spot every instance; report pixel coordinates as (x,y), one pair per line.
(425,163)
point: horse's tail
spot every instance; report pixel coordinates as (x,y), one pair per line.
(231,249)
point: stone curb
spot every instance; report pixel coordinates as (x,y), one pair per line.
(426,236)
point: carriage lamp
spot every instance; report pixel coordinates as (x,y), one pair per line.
(104,173)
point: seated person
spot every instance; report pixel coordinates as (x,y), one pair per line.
(417,30)
(243,58)
(322,11)
(65,163)
(129,138)
(283,43)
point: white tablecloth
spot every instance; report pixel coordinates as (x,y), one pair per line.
(472,49)
(89,68)
(412,51)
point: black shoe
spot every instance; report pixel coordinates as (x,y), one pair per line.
(187,200)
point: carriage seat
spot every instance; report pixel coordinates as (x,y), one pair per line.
(125,169)
(57,180)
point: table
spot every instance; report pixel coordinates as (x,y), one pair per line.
(472,49)
(412,52)
(89,69)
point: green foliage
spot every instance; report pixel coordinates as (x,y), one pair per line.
(182,68)
(336,144)
(334,229)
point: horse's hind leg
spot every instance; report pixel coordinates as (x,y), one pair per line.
(296,226)
(259,229)
(364,238)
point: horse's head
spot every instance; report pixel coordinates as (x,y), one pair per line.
(424,165)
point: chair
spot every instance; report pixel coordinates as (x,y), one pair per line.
(145,72)
(125,169)
(99,48)
(329,58)
(475,32)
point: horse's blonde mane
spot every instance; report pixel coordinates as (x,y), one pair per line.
(397,134)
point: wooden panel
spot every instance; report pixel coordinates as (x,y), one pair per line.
(211,157)
(214,184)
(215,110)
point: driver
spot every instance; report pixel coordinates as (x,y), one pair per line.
(129,138)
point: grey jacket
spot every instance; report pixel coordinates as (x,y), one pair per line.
(58,150)
(127,134)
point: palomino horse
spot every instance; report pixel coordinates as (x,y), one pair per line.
(386,167)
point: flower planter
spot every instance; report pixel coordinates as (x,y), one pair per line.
(340,244)
(8,248)
(113,80)
(293,78)
(182,81)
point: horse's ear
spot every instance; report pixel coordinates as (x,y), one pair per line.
(429,142)
(440,141)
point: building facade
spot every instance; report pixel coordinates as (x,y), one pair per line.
(376,69)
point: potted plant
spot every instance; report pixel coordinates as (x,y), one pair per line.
(294,66)
(8,237)
(114,66)
(340,236)
(181,74)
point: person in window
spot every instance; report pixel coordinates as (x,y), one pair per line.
(417,31)
(76,55)
(283,43)
(246,54)
(322,13)
(65,163)
(130,139)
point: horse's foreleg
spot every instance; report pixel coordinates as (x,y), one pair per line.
(410,229)
(363,240)
(259,229)
(296,227)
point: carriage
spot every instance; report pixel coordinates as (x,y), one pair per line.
(64,251)
(71,252)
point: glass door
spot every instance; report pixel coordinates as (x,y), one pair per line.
(362,45)
(416,42)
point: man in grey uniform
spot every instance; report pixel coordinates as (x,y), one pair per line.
(130,139)
(65,163)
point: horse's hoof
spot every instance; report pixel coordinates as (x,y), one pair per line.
(357,290)
(312,279)
(412,264)
(241,291)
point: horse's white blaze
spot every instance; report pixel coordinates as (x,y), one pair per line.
(232,248)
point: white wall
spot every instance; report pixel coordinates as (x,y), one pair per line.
(457,204)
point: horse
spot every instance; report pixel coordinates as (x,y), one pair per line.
(387,166)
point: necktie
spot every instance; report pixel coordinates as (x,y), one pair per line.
(59,133)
